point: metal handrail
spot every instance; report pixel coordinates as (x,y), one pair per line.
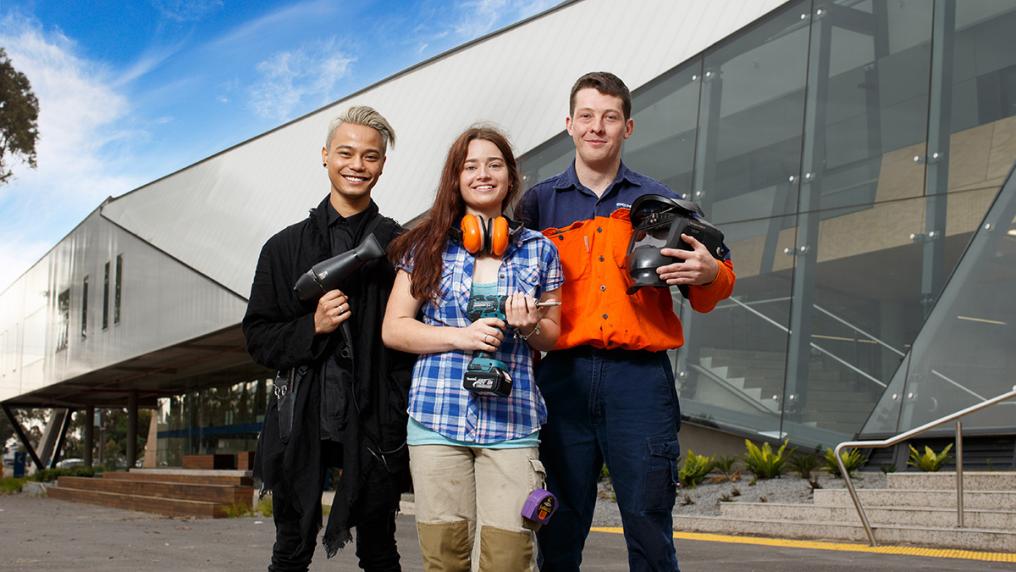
(907,435)
(813,345)
(857,329)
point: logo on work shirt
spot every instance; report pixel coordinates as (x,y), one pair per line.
(623,206)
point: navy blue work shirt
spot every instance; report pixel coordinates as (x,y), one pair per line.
(562,199)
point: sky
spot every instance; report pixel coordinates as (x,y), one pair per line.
(132,91)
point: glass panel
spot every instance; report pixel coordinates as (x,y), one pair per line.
(118,289)
(982,87)
(731,370)
(866,120)
(868,308)
(84,307)
(751,115)
(547,160)
(964,353)
(666,117)
(105,296)
(871,64)
(973,127)
(63,319)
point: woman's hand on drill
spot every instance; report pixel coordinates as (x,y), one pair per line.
(522,313)
(485,334)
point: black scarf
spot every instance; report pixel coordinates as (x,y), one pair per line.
(371,429)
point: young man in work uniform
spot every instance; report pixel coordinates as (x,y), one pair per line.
(609,385)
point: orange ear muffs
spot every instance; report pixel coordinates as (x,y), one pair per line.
(499,234)
(474,234)
(479,237)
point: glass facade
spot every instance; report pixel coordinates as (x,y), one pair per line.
(850,151)
(224,419)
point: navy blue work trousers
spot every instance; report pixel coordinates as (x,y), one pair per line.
(618,407)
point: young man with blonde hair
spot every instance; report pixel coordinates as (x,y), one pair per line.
(346,397)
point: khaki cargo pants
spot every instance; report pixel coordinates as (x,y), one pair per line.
(459,490)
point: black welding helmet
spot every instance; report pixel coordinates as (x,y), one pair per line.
(658,222)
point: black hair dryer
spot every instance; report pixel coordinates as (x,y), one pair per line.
(328,274)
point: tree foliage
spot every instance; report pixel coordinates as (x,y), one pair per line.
(19,117)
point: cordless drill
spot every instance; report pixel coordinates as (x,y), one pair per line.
(486,375)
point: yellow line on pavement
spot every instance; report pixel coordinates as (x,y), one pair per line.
(838,546)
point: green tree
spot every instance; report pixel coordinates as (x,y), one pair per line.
(19,117)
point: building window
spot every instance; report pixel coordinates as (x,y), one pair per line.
(63,303)
(118,289)
(84,307)
(105,297)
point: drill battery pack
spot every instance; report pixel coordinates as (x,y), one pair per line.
(486,376)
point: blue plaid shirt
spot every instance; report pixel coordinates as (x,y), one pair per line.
(437,399)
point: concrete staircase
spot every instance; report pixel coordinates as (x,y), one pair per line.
(836,401)
(172,492)
(917,508)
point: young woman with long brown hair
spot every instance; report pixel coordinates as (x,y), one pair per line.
(474,452)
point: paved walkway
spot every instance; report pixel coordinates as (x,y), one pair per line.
(48,534)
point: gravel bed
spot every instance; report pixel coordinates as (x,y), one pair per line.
(705,498)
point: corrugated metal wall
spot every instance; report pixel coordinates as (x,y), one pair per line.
(162,303)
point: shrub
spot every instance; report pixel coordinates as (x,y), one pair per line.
(763,461)
(694,469)
(10,485)
(852,460)
(930,461)
(237,510)
(725,465)
(50,475)
(804,464)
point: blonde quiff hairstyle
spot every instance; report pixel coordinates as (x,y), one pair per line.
(368,117)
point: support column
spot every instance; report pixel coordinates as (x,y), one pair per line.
(795,392)
(89,434)
(20,432)
(132,428)
(933,267)
(65,424)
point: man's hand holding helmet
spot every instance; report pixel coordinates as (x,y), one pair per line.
(696,266)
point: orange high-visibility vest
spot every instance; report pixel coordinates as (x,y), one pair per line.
(597,311)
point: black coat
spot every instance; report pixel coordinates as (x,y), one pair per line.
(279,331)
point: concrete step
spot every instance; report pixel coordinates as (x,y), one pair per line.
(972,481)
(227,494)
(168,507)
(987,500)
(903,516)
(211,477)
(965,538)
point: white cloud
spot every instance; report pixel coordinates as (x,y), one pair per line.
(293,81)
(478,17)
(186,10)
(18,255)
(281,19)
(80,113)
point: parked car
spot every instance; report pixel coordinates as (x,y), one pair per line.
(69,463)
